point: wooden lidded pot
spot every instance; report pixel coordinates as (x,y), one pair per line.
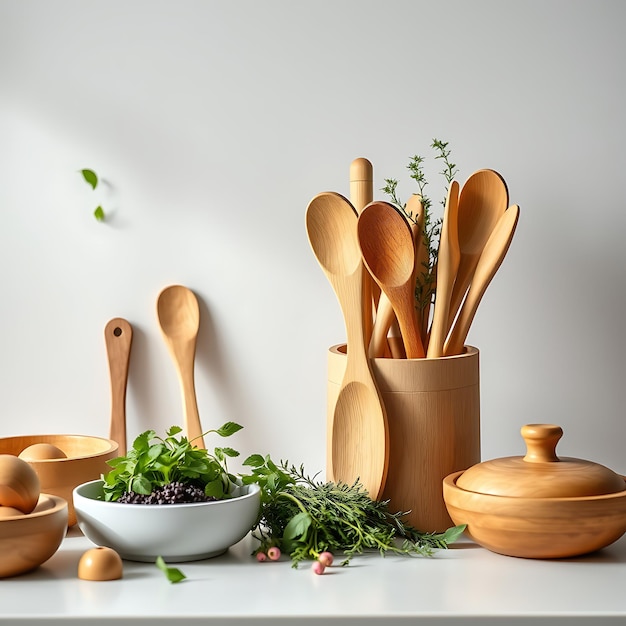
(538,505)
(541,473)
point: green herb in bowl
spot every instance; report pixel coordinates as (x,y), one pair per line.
(171,470)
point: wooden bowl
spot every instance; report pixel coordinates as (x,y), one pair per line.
(85,460)
(538,506)
(27,541)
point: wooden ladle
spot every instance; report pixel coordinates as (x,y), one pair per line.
(490,260)
(483,199)
(118,338)
(388,251)
(359,447)
(179,318)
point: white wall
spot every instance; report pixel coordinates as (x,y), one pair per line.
(214,124)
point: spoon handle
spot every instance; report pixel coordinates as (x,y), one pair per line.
(384,319)
(184,360)
(447,265)
(118,337)
(361,194)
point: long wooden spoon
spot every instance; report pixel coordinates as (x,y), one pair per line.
(490,260)
(448,259)
(482,201)
(359,431)
(179,318)
(118,337)
(388,250)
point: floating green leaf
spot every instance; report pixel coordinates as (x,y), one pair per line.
(90,177)
(173,574)
(99,214)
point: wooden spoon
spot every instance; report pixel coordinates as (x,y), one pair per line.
(179,318)
(118,337)
(482,200)
(488,264)
(359,432)
(386,323)
(388,250)
(447,265)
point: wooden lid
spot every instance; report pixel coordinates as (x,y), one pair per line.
(541,473)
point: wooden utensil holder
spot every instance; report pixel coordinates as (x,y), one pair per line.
(433,410)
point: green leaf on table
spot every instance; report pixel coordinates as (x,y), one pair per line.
(90,177)
(173,574)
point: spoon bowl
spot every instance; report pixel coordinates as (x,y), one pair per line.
(483,199)
(490,260)
(388,250)
(179,318)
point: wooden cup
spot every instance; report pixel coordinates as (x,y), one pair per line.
(433,410)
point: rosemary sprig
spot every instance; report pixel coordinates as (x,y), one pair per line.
(305,517)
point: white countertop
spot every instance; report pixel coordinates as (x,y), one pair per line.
(465,584)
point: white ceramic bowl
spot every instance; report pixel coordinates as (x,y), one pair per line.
(176,532)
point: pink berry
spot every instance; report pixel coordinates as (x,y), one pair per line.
(326,559)
(261,556)
(318,568)
(274,553)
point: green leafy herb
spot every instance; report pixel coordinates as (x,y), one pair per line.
(431,228)
(173,574)
(305,517)
(154,461)
(91,178)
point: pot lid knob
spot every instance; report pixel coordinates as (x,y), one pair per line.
(541,440)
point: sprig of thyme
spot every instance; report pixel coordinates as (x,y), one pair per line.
(305,517)
(431,228)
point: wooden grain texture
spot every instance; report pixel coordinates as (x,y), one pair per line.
(361,194)
(358,444)
(433,409)
(540,473)
(179,318)
(482,200)
(118,337)
(490,259)
(538,528)
(447,265)
(86,459)
(28,541)
(388,251)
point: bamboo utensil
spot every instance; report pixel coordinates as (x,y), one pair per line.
(490,260)
(359,438)
(388,251)
(179,317)
(361,194)
(386,335)
(118,337)
(447,265)
(482,200)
